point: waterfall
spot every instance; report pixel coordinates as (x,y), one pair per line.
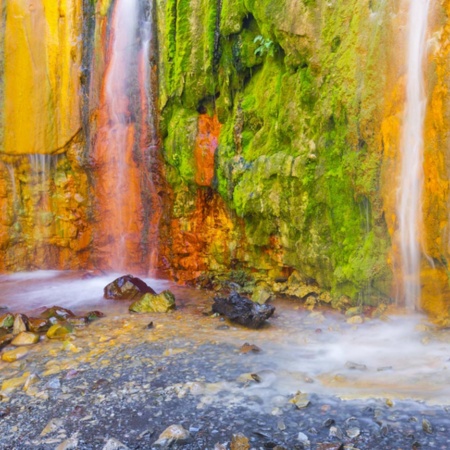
(121,138)
(410,189)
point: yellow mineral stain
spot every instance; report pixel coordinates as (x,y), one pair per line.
(14,383)
(42,83)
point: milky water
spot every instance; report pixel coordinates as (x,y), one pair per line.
(313,352)
(410,189)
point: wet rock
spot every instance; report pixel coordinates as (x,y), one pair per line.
(355,366)
(38,325)
(57,312)
(353,432)
(92,316)
(300,400)
(77,321)
(5,340)
(89,274)
(249,348)
(14,355)
(328,423)
(242,310)
(304,440)
(6,321)
(262,294)
(20,324)
(154,303)
(114,444)
(69,444)
(239,442)
(127,287)
(150,326)
(427,427)
(59,330)
(53,384)
(354,311)
(175,434)
(329,446)
(52,426)
(355,320)
(14,383)
(30,381)
(25,338)
(336,432)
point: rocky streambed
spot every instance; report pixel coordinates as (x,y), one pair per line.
(191,379)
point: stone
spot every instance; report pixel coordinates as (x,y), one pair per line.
(304,440)
(127,287)
(300,400)
(5,340)
(20,324)
(329,446)
(57,312)
(92,316)
(355,320)
(353,432)
(25,338)
(114,444)
(77,321)
(239,442)
(7,321)
(262,294)
(52,426)
(355,366)
(249,348)
(69,444)
(14,355)
(154,303)
(242,310)
(426,426)
(30,381)
(38,325)
(175,434)
(14,383)
(59,330)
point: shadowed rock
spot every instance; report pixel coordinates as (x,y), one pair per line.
(57,312)
(127,287)
(242,310)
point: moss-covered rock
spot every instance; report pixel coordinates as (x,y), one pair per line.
(154,303)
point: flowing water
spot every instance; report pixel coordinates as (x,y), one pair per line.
(410,190)
(314,352)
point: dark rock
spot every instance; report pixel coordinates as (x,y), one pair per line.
(38,325)
(242,310)
(5,340)
(127,287)
(150,326)
(57,312)
(355,366)
(91,316)
(249,348)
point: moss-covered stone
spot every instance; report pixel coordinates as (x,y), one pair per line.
(154,303)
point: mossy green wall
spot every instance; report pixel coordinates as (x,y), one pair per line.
(299,154)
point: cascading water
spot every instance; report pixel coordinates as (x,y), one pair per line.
(410,190)
(122,140)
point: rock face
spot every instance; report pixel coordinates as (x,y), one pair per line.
(277,145)
(154,303)
(242,310)
(127,288)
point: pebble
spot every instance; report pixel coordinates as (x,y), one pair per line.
(173,434)
(303,439)
(14,355)
(355,366)
(114,444)
(25,338)
(426,426)
(353,432)
(69,444)
(300,400)
(239,442)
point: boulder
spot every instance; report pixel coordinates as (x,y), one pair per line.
(154,303)
(57,312)
(20,324)
(38,325)
(242,310)
(25,338)
(6,321)
(59,330)
(127,287)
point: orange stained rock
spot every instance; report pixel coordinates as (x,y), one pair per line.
(203,239)
(41,79)
(205,147)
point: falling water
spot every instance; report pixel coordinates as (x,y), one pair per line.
(410,190)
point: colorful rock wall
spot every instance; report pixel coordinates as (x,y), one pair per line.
(275,146)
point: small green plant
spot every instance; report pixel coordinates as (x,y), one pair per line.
(265,46)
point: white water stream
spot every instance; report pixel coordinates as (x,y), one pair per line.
(410,189)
